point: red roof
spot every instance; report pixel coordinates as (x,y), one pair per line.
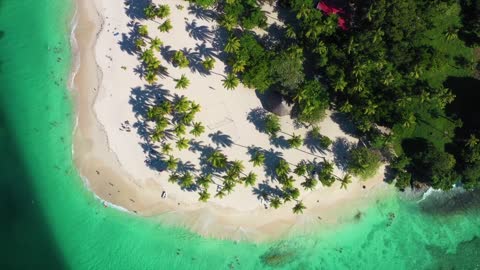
(333,10)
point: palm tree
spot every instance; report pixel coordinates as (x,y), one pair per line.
(472,141)
(229,22)
(195,107)
(198,129)
(180,59)
(173,178)
(371,108)
(258,159)
(300,169)
(310,183)
(163,11)
(346,107)
(155,44)
(217,159)
(180,130)
(220,194)
(347,179)
(208,63)
(187,118)
(182,105)
(204,196)
(282,169)
(287,181)
(298,208)
(166,107)
(182,83)
(172,163)
(272,125)
(231,81)
(237,167)
(409,121)
(295,141)
(140,43)
(205,180)
(150,11)
(186,180)
(290,33)
(158,135)
(182,143)
(166,26)
(275,202)
(451,33)
(250,179)
(340,84)
(143,30)
(151,77)
(233,45)
(228,186)
(239,66)
(166,148)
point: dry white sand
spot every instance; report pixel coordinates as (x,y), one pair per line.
(108,144)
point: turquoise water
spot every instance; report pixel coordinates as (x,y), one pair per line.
(51,221)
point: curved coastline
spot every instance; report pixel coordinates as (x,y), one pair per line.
(103,173)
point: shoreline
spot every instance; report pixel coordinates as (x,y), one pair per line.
(103,174)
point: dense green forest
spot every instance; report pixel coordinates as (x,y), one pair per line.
(386,71)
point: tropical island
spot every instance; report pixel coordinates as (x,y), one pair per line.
(211,112)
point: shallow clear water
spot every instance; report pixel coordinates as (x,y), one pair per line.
(51,221)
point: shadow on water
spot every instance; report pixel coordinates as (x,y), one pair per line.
(27,242)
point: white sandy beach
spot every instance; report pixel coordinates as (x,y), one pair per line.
(110,150)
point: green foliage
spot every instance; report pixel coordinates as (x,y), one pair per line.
(204,3)
(204,196)
(197,129)
(163,11)
(299,207)
(217,159)
(250,179)
(310,183)
(347,179)
(272,125)
(172,163)
(208,63)
(155,44)
(182,105)
(182,83)
(143,30)
(180,59)
(246,13)
(313,101)
(275,202)
(182,143)
(166,26)
(287,69)
(295,141)
(231,81)
(363,162)
(258,159)
(204,181)
(325,142)
(150,11)
(187,180)
(282,169)
(300,169)
(140,43)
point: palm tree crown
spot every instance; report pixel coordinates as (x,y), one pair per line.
(258,159)
(231,81)
(217,159)
(182,83)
